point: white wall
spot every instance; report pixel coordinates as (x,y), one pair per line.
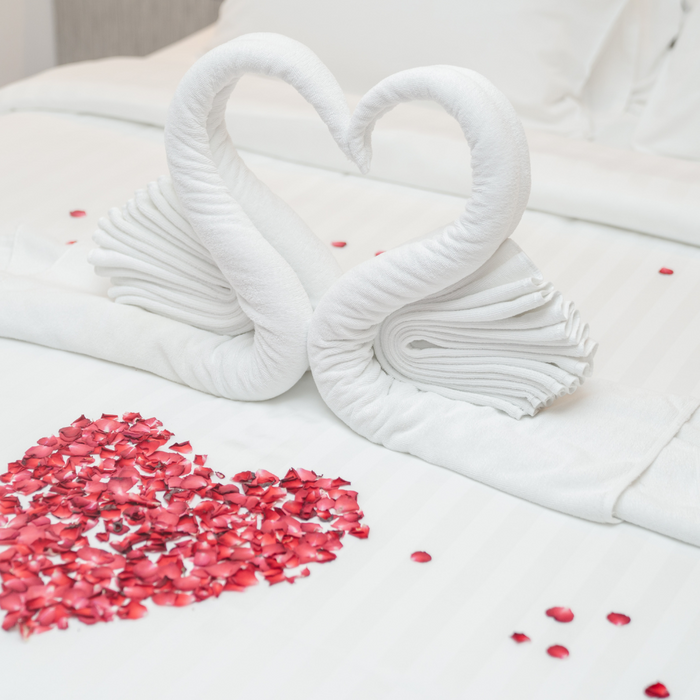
(27,43)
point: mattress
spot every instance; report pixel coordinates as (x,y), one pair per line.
(372,624)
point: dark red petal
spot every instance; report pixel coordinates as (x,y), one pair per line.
(665,271)
(561,614)
(77,213)
(619,619)
(519,637)
(338,244)
(657,690)
(558,651)
(421,557)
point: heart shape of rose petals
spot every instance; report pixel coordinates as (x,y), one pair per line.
(103,516)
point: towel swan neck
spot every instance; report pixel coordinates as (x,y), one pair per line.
(462,316)
(499,152)
(207,171)
(212,246)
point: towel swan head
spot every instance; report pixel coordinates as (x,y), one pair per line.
(212,246)
(461,315)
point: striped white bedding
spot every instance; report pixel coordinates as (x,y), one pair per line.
(371,624)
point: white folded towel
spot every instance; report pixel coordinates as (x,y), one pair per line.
(404,346)
(156,262)
(501,337)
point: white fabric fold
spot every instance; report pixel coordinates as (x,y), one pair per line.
(377,333)
(665,497)
(501,337)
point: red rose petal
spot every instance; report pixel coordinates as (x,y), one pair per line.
(170,532)
(558,651)
(665,271)
(71,242)
(77,213)
(421,557)
(132,611)
(164,598)
(561,614)
(519,637)
(339,244)
(379,252)
(182,447)
(657,690)
(619,619)
(362,533)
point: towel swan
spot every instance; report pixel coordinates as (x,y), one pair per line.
(434,348)
(212,246)
(464,313)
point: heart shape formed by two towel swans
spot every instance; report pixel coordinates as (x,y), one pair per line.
(470,317)
(431,348)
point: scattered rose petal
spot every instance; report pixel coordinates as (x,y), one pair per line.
(665,271)
(71,242)
(558,651)
(77,213)
(519,637)
(421,557)
(619,619)
(657,690)
(116,518)
(561,614)
(379,252)
(339,244)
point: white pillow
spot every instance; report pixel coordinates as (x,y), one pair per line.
(670,124)
(538,52)
(628,65)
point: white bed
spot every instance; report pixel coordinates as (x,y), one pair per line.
(373,624)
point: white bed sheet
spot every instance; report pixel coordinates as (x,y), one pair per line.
(371,624)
